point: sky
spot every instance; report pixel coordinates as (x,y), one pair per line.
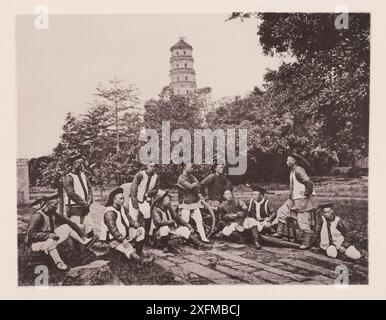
(58,69)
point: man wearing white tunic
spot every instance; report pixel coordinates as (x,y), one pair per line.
(119,230)
(78,195)
(300,205)
(144,187)
(335,236)
(261,210)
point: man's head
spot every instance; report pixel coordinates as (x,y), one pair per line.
(118,199)
(228,195)
(166,201)
(77,163)
(291,161)
(219,168)
(51,206)
(328,211)
(260,196)
(150,168)
(188,167)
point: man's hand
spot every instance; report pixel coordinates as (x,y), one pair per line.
(126,244)
(172,223)
(244,207)
(53,236)
(135,225)
(240,214)
(342,250)
(194,184)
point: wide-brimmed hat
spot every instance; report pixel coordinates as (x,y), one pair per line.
(112,194)
(42,201)
(299,159)
(326,205)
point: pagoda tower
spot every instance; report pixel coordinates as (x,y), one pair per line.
(182,74)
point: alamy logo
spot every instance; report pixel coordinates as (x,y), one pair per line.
(181,152)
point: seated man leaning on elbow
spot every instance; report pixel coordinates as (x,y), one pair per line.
(47,229)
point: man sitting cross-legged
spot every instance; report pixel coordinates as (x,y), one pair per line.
(235,222)
(167,226)
(47,229)
(120,231)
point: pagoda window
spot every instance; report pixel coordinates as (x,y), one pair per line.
(186,78)
(178,78)
(186,65)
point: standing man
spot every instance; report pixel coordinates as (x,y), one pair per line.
(143,189)
(216,183)
(189,199)
(79,195)
(47,229)
(301,204)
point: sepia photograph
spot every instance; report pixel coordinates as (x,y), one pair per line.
(192,149)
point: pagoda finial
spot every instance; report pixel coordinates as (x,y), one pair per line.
(183,38)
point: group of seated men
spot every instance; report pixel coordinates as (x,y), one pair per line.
(140,213)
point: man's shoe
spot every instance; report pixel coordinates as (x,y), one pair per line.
(306,241)
(62,266)
(279,231)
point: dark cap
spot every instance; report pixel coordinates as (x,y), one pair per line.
(326,205)
(112,195)
(72,159)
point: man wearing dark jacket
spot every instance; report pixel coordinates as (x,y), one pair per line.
(189,199)
(47,229)
(216,184)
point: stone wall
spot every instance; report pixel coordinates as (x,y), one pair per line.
(22,181)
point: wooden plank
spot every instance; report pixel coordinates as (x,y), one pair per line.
(202,271)
(259,265)
(309,267)
(245,277)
